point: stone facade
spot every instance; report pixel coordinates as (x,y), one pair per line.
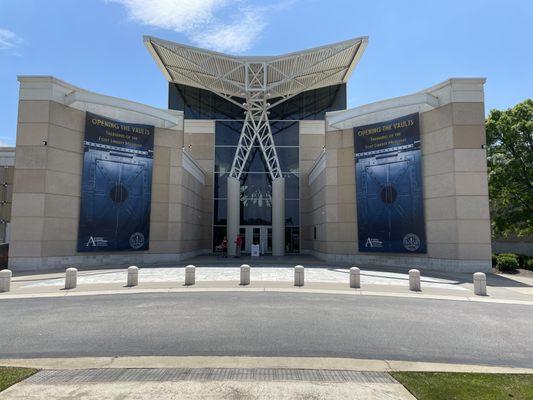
(47,181)
(7,170)
(199,142)
(48,168)
(454,176)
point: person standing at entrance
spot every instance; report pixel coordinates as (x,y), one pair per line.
(224,247)
(238,244)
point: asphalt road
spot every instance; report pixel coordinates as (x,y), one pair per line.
(268,324)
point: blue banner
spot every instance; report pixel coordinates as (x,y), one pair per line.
(389,189)
(116,186)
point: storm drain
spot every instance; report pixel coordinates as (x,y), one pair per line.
(54,376)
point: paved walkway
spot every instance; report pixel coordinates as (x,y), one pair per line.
(271,274)
(257,274)
(163,384)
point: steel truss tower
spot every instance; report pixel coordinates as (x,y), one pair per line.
(256,127)
(263,82)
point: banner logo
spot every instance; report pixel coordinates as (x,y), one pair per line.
(96,242)
(136,240)
(373,242)
(411,242)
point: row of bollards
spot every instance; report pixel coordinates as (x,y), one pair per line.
(71,278)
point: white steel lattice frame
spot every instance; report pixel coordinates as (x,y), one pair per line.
(257,80)
(256,127)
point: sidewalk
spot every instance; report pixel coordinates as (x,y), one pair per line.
(318,278)
(222,377)
(207,383)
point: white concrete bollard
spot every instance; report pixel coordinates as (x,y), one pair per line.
(245,274)
(5,280)
(480,284)
(414,280)
(355,277)
(71,278)
(190,271)
(299,275)
(133,276)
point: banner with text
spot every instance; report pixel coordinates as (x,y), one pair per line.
(389,194)
(116,186)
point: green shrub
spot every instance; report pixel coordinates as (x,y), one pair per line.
(506,262)
(528,263)
(525,262)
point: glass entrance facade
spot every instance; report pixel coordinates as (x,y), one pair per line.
(256,185)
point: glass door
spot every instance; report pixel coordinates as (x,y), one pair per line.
(261,235)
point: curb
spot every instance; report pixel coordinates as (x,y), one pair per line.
(360,292)
(316,363)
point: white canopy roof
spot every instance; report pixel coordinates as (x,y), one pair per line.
(286,75)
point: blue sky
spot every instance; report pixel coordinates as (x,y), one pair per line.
(97,44)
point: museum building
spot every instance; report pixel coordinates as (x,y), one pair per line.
(258,147)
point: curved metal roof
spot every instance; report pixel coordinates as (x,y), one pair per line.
(286,75)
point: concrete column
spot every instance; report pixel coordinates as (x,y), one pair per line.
(414,280)
(245,274)
(480,284)
(234,213)
(299,275)
(355,278)
(190,271)
(278,217)
(5,280)
(71,278)
(133,276)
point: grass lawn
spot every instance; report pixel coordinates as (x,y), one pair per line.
(11,375)
(462,386)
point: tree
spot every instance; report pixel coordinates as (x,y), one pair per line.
(510,168)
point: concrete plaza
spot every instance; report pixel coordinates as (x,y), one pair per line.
(273,274)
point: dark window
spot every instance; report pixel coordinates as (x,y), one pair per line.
(292,186)
(285,133)
(242,232)
(288,158)
(218,236)
(228,133)
(255,161)
(199,103)
(256,212)
(221,185)
(224,158)
(220,212)
(256,236)
(202,104)
(292,212)
(292,239)
(256,186)
(312,104)
(314,232)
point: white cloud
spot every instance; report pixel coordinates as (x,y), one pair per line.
(8,39)
(235,37)
(204,22)
(178,15)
